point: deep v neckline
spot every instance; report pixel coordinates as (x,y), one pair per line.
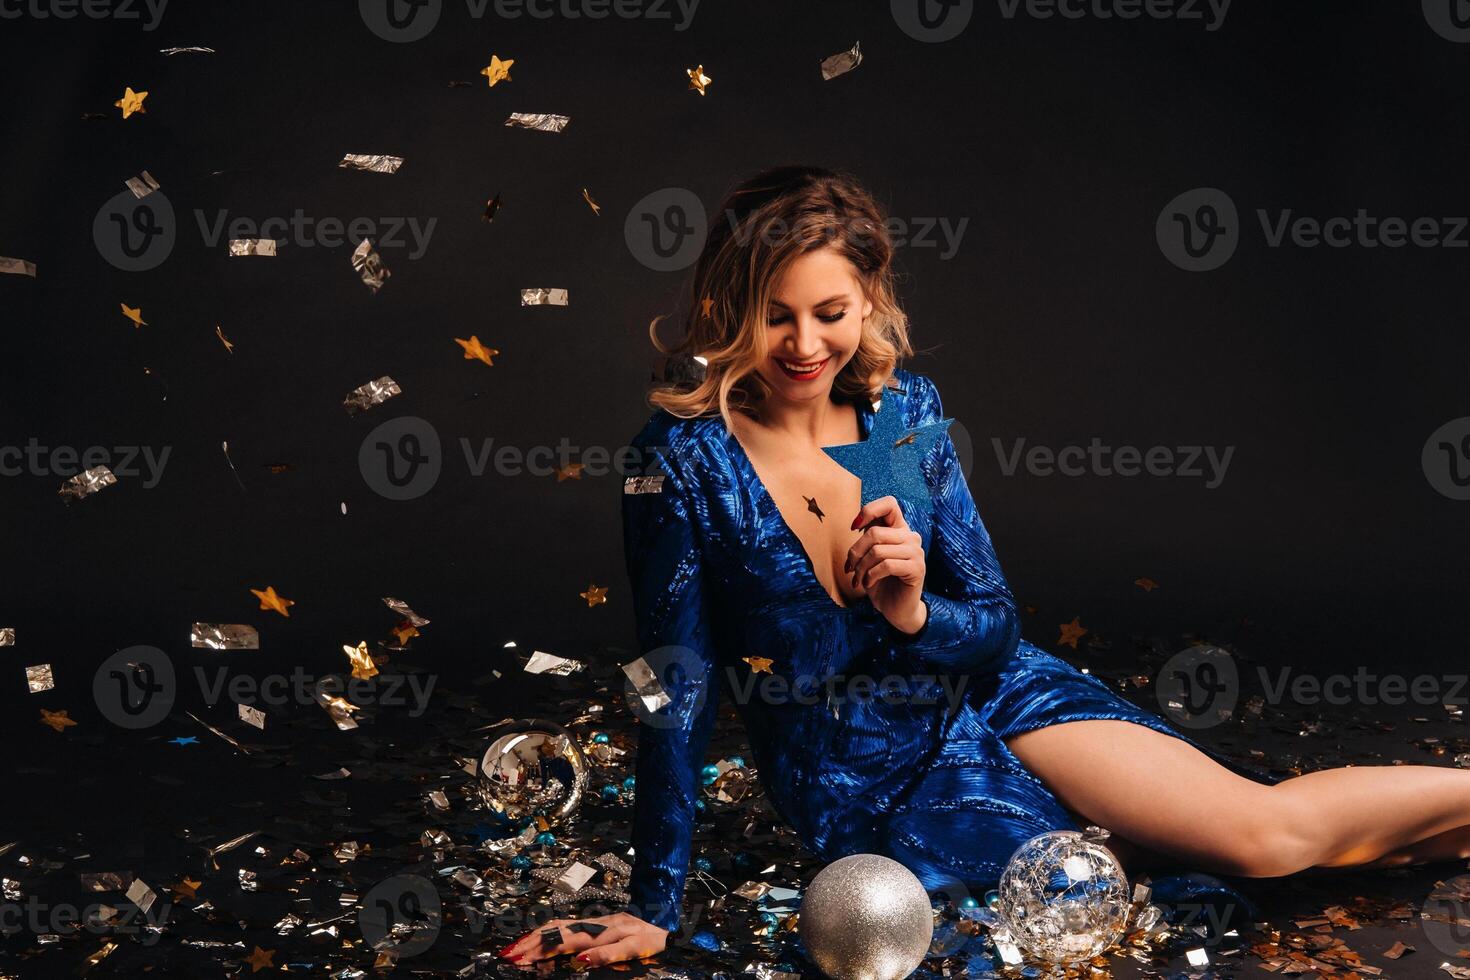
(865,413)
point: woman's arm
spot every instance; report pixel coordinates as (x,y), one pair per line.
(661,547)
(972,621)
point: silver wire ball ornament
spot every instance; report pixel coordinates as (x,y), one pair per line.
(1063,896)
(866,917)
(533,767)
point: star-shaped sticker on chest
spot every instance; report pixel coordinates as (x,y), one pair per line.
(888,460)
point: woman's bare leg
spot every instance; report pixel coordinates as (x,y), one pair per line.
(1163,795)
(1452,845)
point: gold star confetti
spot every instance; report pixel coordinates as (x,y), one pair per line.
(135,315)
(1071,633)
(131,102)
(706,305)
(269,600)
(759,665)
(596,208)
(404,632)
(186,888)
(698,79)
(56,719)
(497,70)
(811,505)
(475,351)
(571,471)
(221,335)
(594,594)
(362,661)
(1146,584)
(259,959)
(907,440)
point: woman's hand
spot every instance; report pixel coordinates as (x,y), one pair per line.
(888,562)
(624,937)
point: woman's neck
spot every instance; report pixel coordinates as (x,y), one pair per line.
(817,421)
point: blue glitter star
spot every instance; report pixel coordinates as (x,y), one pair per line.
(888,460)
(185,740)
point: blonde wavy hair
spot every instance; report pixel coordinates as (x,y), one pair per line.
(763,224)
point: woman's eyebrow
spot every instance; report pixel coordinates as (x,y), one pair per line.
(829,299)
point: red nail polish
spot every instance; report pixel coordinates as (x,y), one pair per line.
(582,958)
(856,519)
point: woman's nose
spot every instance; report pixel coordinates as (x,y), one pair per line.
(807,335)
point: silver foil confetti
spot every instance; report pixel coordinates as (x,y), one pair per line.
(141,895)
(650,689)
(573,878)
(753,890)
(7,637)
(17,267)
(38,678)
(369,265)
(547,122)
(373,393)
(644,484)
(142,185)
(85,483)
(549,663)
(232,843)
(401,608)
(379,163)
(194,50)
(841,63)
(252,246)
(252,716)
(768,971)
(234,744)
(544,297)
(224,636)
(105,881)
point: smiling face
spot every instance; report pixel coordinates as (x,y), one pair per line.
(814,323)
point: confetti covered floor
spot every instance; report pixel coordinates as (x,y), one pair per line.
(273,867)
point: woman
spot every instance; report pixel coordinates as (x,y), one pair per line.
(753,557)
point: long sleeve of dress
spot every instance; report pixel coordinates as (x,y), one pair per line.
(663,555)
(972,622)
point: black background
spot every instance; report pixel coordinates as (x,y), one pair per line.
(1058,320)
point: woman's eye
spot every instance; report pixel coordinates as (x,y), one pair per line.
(774,320)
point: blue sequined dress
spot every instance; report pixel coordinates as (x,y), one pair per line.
(923,776)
